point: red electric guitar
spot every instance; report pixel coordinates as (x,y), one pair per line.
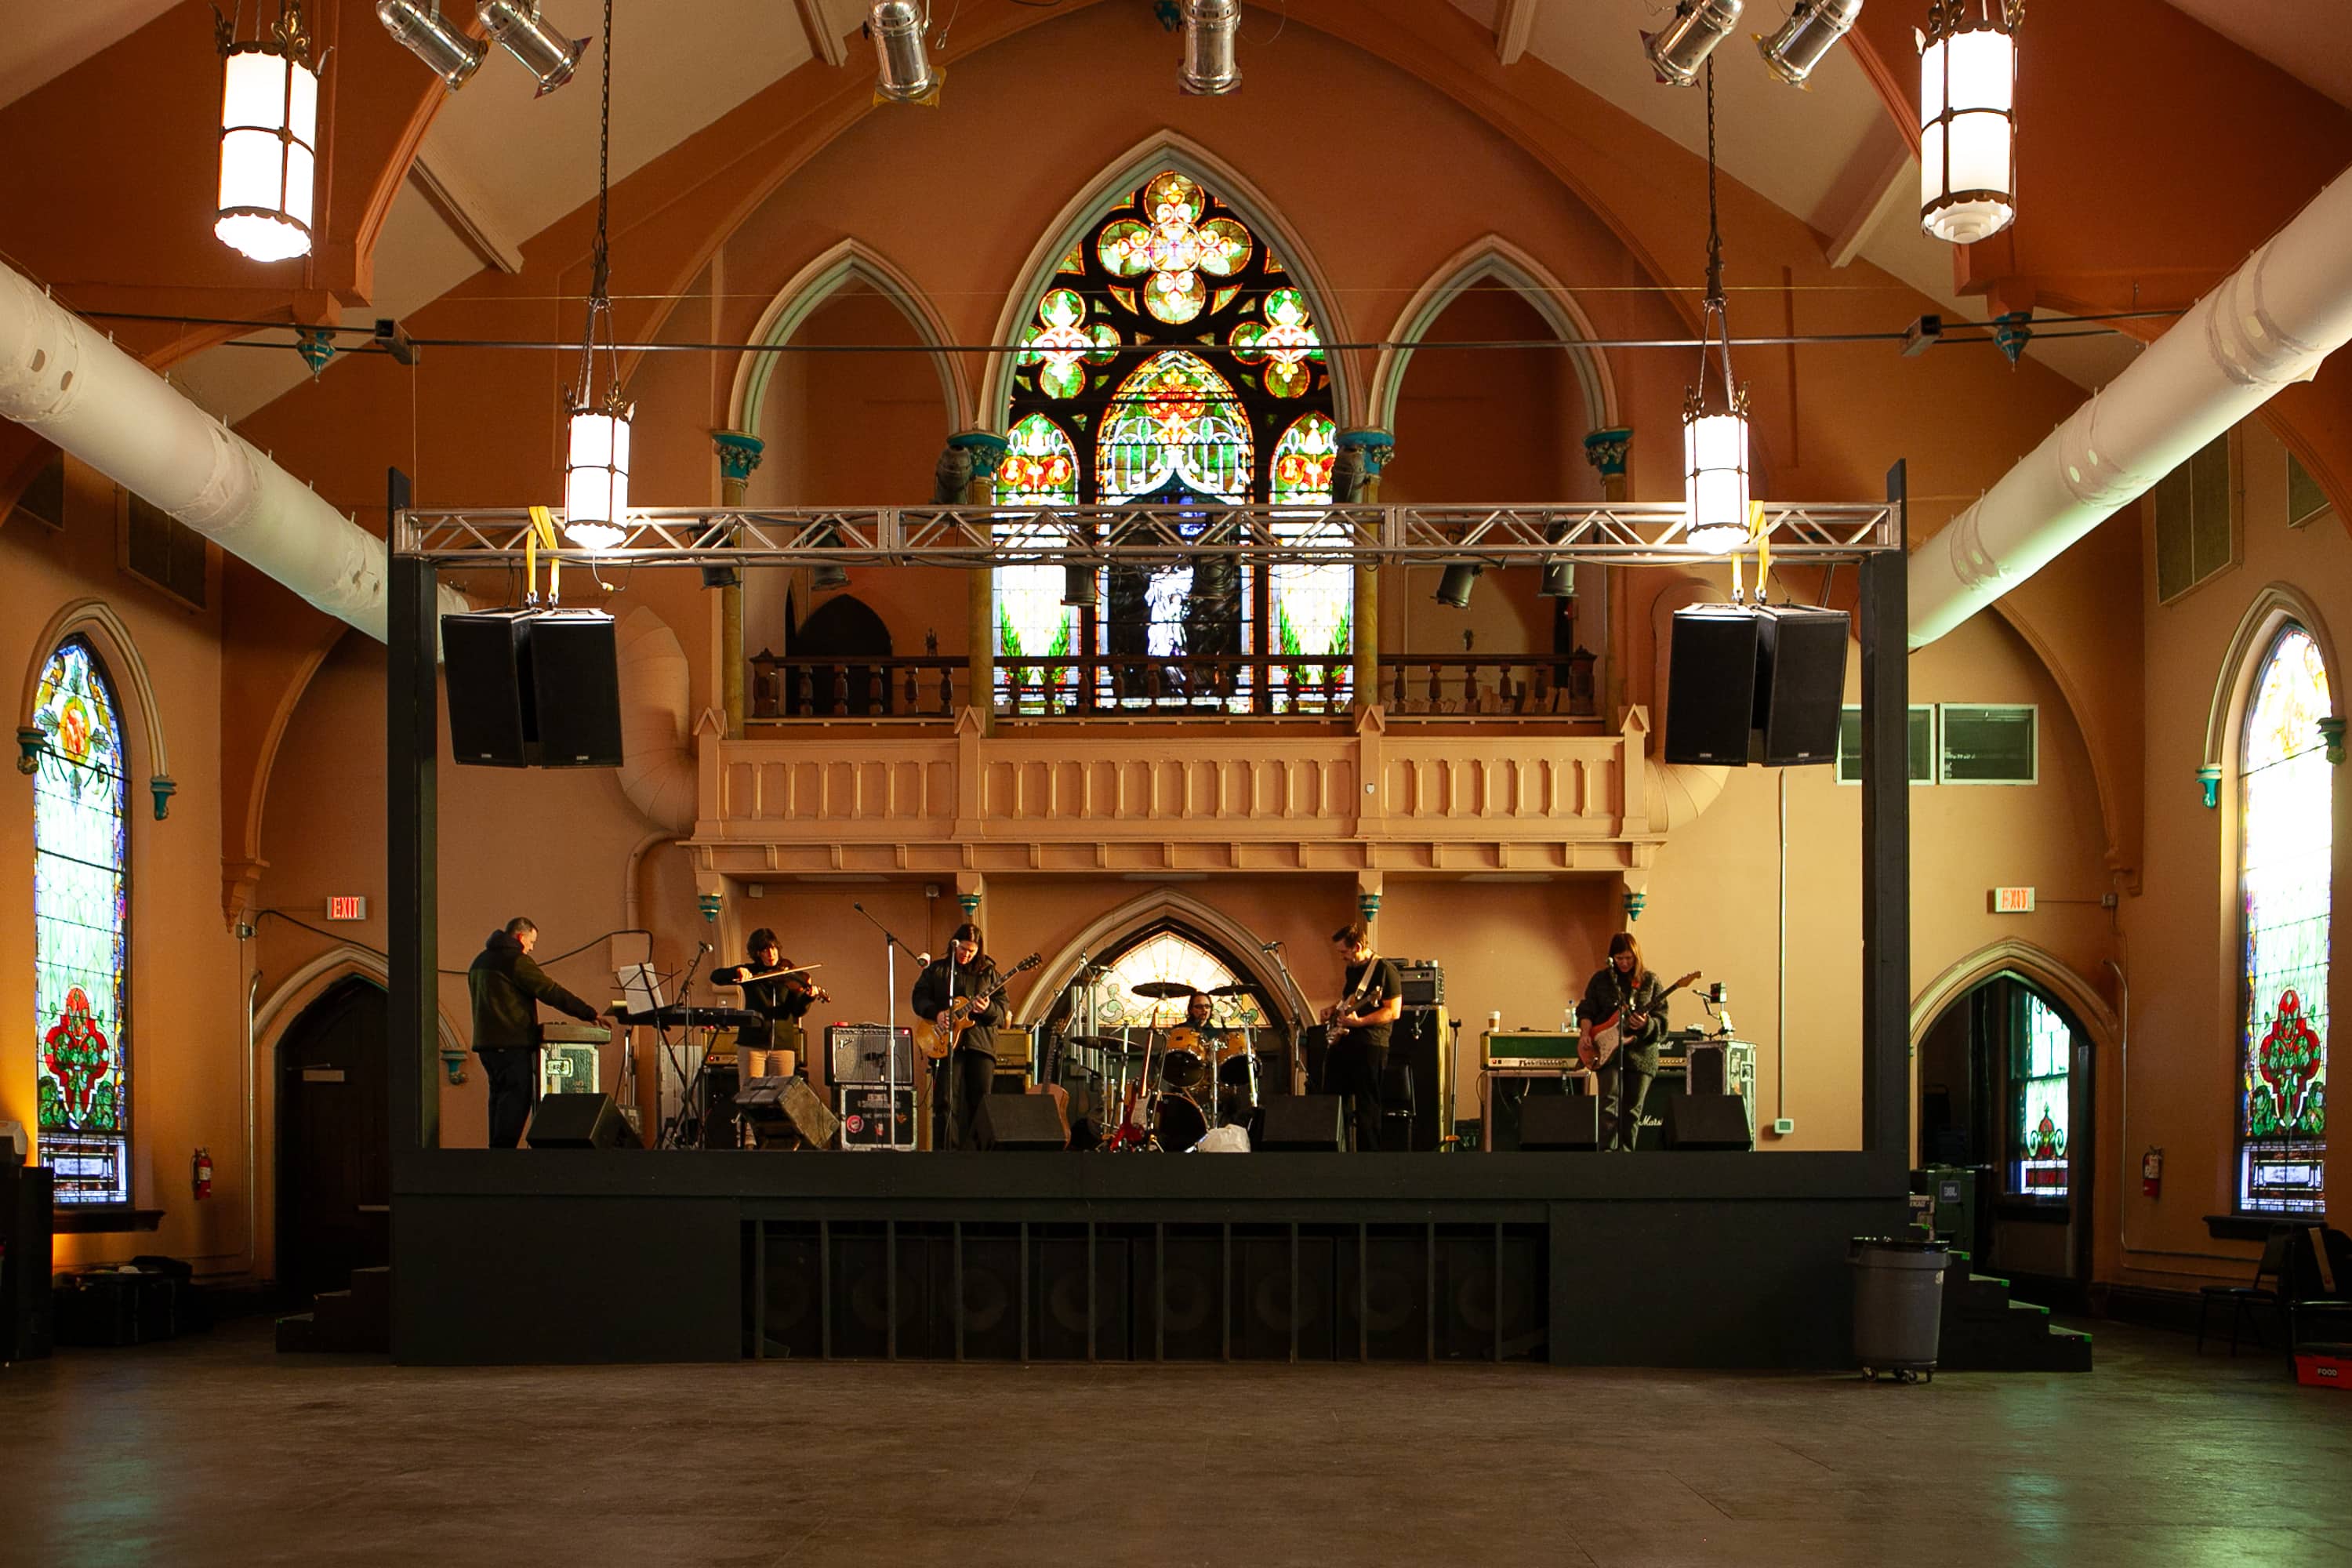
(1600,1040)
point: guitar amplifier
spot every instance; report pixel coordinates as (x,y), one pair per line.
(1423,980)
(1012,1046)
(1508,1049)
(853,1052)
(867,1121)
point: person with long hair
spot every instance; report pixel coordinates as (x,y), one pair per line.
(771,1047)
(966,1076)
(1625,992)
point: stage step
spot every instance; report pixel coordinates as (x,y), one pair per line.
(354,1322)
(1985,1331)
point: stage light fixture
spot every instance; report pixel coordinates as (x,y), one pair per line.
(1455,587)
(1967,119)
(1715,416)
(1681,48)
(1812,30)
(269,138)
(424,32)
(829,577)
(1559,581)
(1210,28)
(523,33)
(902,54)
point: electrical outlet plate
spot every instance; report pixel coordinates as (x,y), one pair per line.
(1784,1127)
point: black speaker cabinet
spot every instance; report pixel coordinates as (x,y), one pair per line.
(1021,1122)
(1561,1121)
(577,1121)
(533,688)
(27,1323)
(1707,1121)
(1800,682)
(1302,1123)
(1414,1049)
(1711,685)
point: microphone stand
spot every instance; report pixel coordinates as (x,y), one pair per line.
(1273,950)
(686,1090)
(890,946)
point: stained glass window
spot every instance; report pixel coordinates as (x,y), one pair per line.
(81,899)
(2286,786)
(2043,1049)
(1310,608)
(1181,366)
(1168,955)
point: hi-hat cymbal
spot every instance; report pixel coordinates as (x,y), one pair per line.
(1238,988)
(1162,990)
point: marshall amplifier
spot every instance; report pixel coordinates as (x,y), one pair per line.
(855,1053)
(867,1122)
(1424,981)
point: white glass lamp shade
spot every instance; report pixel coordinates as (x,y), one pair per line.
(269,130)
(1714,481)
(596,479)
(1968,134)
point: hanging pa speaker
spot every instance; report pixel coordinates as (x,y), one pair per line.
(1800,682)
(532,688)
(485,659)
(1711,692)
(576,677)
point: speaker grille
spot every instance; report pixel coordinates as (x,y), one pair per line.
(1711,685)
(1800,683)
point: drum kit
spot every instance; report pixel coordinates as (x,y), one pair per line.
(1166,1087)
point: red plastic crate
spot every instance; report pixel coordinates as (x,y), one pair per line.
(2325,1367)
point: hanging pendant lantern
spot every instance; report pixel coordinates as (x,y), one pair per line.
(268,139)
(1715,498)
(1967,119)
(596,455)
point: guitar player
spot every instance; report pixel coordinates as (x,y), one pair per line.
(961,1081)
(1359,1031)
(1623,989)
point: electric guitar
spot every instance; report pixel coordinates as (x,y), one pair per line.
(937,1041)
(1600,1040)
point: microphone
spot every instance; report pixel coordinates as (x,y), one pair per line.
(1269,947)
(858,907)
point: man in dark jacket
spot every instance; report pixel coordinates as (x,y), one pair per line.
(959,1083)
(1623,989)
(508,988)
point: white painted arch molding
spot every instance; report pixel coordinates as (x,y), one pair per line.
(851,260)
(96,620)
(1147,909)
(2233,680)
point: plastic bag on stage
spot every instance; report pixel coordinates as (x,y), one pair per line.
(1228,1139)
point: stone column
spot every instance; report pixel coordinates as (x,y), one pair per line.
(738,454)
(983,450)
(1607,452)
(1356,481)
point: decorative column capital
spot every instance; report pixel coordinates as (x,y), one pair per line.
(1367,904)
(31,742)
(2331,734)
(2209,779)
(1635,902)
(164,789)
(738,454)
(1375,448)
(1606,451)
(987,449)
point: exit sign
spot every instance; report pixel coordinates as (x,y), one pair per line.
(2012,900)
(354,907)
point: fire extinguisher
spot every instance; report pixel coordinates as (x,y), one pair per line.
(204,1173)
(2151,1171)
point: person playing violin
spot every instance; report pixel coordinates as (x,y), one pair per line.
(771,1047)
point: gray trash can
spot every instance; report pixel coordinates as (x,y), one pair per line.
(1898,1305)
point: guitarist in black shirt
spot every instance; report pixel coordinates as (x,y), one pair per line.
(961,1082)
(1359,1031)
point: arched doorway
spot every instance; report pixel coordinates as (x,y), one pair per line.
(846,628)
(2004,1086)
(334,1174)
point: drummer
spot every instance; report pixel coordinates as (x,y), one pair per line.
(1196,1010)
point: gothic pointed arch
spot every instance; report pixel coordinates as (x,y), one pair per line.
(95,620)
(2273,607)
(1491,258)
(1163,908)
(850,261)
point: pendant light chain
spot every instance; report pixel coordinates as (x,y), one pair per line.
(599,303)
(1716,326)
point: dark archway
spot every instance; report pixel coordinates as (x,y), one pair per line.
(847,628)
(334,1174)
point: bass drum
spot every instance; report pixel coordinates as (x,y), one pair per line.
(1177,1123)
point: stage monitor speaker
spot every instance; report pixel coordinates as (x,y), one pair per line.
(1561,1121)
(1021,1122)
(577,1121)
(1800,682)
(575,673)
(487,658)
(1702,1122)
(1302,1123)
(784,1109)
(1711,691)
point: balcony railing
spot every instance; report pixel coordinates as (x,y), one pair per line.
(934,686)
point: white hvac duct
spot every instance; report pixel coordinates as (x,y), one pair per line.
(1678,792)
(2267,324)
(71,386)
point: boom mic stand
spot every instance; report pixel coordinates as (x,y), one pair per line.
(890,946)
(674,1136)
(1273,950)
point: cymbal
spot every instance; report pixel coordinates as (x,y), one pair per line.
(1162,990)
(1238,988)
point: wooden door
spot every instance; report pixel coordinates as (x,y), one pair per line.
(334,1174)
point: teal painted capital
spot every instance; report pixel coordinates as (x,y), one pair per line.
(2331,732)
(1379,448)
(453,1062)
(1606,451)
(987,449)
(165,790)
(709,904)
(2209,779)
(1635,904)
(971,905)
(31,742)
(737,454)
(1368,905)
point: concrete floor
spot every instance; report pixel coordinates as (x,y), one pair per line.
(213,1449)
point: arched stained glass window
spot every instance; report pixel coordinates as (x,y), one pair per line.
(80,921)
(2286,786)
(2042,1053)
(1163,957)
(1310,609)
(1183,363)
(1040,468)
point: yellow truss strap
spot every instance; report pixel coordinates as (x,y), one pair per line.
(1756,532)
(541,535)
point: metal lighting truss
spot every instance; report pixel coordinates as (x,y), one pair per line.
(1643,533)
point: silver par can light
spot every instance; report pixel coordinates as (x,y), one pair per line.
(424,32)
(523,33)
(1812,30)
(1679,49)
(902,56)
(1209,29)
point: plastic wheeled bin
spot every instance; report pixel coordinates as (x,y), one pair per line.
(1898,1305)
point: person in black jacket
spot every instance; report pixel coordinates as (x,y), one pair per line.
(960,1082)
(1625,990)
(1359,1025)
(773,1045)
(507,988)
